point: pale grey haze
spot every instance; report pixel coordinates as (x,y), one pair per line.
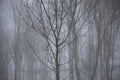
(59,39)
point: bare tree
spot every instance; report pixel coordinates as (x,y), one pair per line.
(3,45)
(51,24)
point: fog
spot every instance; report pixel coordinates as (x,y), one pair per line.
(59,40)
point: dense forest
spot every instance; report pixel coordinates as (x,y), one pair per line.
(59,39)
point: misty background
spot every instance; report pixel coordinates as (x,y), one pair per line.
(59,39)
